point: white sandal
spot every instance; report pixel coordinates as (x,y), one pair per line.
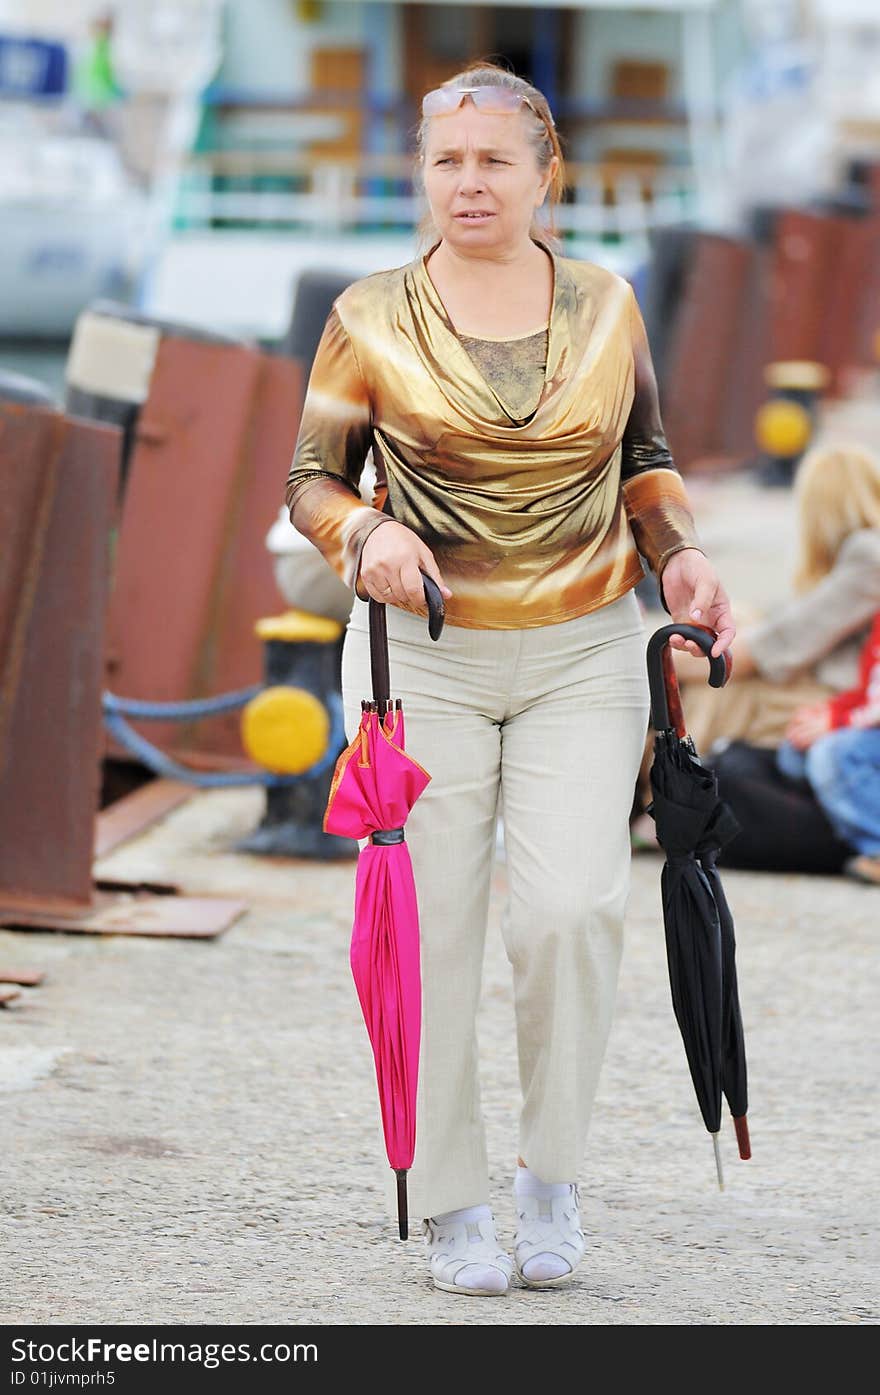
(453,1246)
(549,1227)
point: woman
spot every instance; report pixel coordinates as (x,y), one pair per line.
(510,402)
(807,649)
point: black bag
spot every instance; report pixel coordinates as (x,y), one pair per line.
(782,827)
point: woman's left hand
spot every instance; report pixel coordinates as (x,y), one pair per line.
(695,596)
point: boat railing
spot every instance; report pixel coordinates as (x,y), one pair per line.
(364,192)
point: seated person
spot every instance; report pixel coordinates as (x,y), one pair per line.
(834,746)
(808,649)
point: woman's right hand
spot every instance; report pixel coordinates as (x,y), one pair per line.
(391,561)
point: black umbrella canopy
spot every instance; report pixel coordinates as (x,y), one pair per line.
(693,824)
(734,1075)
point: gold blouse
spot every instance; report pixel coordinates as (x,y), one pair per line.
(531,521)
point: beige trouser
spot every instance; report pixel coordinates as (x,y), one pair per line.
(552,720)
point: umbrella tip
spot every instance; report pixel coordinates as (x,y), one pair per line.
(741,1125)
(718,1168)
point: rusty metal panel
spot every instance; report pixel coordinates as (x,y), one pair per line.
(803,251)
(245,587)
(187,917)
(189,440)
(701,348)
(57,497)
(212,449)
(854,279)
(824,272)
(29,449)
(128,817)
(746,305)
(868,325)
(745,387)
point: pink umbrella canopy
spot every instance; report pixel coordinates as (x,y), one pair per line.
(375,784)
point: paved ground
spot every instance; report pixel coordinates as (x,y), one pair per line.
(191,1128)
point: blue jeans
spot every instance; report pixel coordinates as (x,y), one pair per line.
(843,771)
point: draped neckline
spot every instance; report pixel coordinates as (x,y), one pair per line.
(463,382)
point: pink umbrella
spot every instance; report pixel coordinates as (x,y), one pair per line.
(375,784)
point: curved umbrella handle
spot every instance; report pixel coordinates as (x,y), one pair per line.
(379,638)
(434,602)
(665,699)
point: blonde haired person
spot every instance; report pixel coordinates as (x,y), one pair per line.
(837,492)
(508,396)
(808,648)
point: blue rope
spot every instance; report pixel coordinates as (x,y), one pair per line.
(178,711)
(162,764)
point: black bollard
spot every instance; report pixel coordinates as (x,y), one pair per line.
(316,290)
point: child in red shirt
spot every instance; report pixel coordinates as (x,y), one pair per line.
(835,747)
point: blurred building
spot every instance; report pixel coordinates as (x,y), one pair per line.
(622,80)
(308,129)
(242,141)
(671,112)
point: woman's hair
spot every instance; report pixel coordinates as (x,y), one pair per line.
(837,490)
(541,133)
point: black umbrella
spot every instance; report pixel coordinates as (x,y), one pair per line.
(693,824)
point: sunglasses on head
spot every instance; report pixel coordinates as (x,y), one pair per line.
(495,101)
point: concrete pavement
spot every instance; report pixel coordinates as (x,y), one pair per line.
(191,1130)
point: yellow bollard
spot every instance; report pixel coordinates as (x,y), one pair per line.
(287,729)
(785,423)
(783,429)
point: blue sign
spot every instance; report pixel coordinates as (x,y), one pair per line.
(32,68)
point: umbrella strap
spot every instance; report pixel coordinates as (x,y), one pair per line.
(384,837)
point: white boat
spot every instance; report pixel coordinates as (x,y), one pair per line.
(86,195)
(72,226)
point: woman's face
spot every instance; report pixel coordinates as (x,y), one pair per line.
(482,178)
